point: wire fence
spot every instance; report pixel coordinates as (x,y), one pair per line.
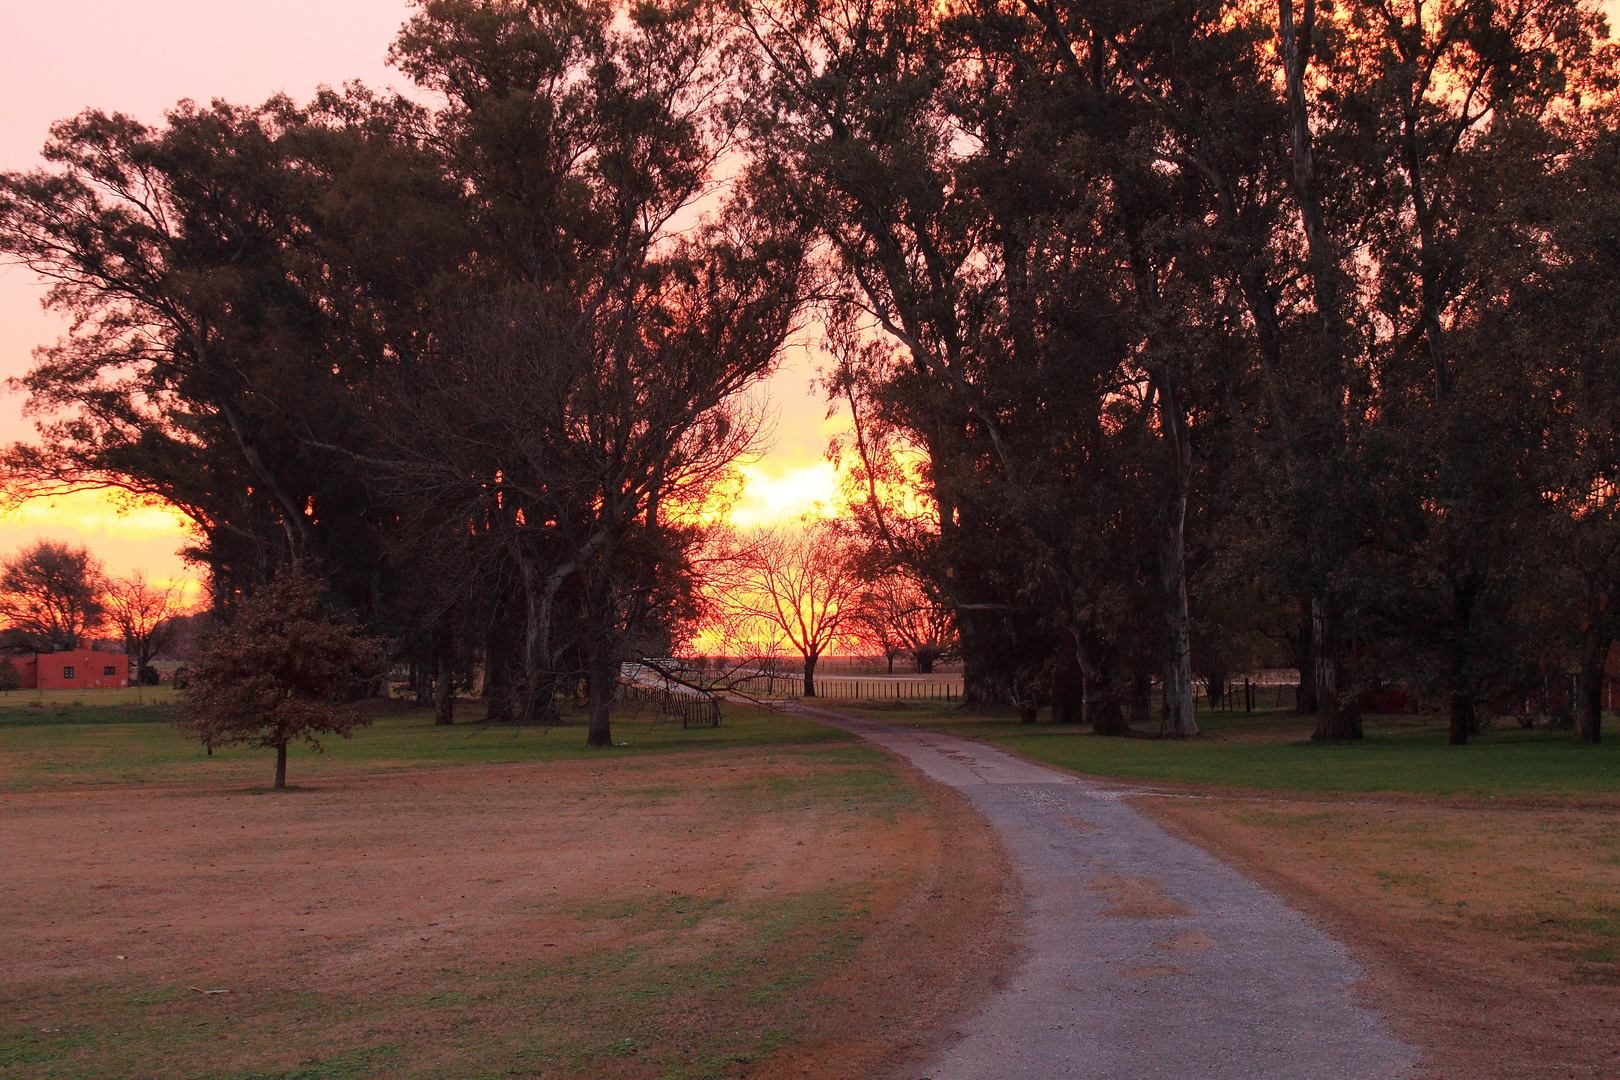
(895,689)
(1246,695)
(691,708)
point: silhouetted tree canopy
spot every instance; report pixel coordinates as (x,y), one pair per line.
(1171,333)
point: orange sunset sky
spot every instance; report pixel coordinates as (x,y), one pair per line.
(140,58)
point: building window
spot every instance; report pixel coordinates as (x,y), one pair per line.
(67,673)
(109,671)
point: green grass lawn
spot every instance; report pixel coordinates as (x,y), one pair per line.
(66,738)
(77,738)
(1273,750)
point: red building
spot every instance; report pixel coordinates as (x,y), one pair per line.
(80,669)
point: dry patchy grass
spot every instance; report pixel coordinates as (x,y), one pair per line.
(801,911)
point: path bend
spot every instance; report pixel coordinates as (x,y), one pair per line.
(1146,958)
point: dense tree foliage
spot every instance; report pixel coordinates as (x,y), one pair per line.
(476,367)
(1176,299)
(1167,328)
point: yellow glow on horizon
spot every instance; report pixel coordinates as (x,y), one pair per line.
(94,511)
(124,538)
(773,495)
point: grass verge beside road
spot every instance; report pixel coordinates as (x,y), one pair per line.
(1489,928)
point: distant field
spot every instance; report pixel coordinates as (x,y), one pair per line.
(17,706)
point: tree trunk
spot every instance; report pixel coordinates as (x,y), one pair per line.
(281,764)
(925,663)
(810,674)
(1462,719)
(891,662)
(978,688)
(1589,700)
(424,687)
(1338,719)
(1028,709)
(604,680)
(540,600)
(1179,720)
(1106,716)
(498,690)
(1141,697)
(1068,691)
(1338,710)
(444,698)
(1305,660)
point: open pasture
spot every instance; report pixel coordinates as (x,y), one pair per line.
(765,898)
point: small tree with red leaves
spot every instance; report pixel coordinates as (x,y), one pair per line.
(279,671)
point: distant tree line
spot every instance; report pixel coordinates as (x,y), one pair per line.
(55,596)
(1163,325)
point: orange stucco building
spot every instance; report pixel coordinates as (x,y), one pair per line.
(80,669)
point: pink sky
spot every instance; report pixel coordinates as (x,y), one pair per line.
(140,58)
